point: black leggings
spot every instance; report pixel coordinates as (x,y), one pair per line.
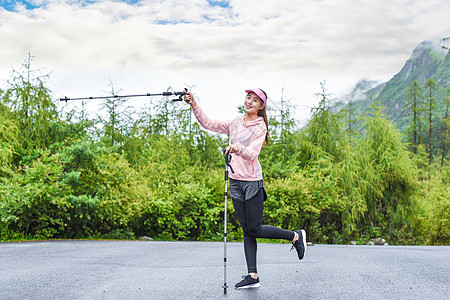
(249,214)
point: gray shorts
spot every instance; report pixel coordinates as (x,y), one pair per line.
(245,190)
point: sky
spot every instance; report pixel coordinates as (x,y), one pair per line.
(216,48)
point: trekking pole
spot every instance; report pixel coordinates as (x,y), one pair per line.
(179,94)
(227,165)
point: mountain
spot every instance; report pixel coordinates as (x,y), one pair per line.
(427,60)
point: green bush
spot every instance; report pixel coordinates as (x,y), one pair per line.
(306,199)
(34,202)
(434,216)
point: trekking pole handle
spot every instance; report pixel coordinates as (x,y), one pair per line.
(180,94)
(228,160)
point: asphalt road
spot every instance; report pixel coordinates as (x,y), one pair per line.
(194,270)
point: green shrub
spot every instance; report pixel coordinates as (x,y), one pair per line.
(307,199)
(34,202)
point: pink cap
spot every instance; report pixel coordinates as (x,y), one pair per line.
(258,92)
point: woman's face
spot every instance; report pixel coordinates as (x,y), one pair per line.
(252,104)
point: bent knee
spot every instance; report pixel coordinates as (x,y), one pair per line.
(254,231)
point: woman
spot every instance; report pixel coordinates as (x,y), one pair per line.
(247,136)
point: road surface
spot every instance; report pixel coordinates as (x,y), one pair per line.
(194,270)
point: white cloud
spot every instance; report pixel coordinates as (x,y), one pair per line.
(263,43)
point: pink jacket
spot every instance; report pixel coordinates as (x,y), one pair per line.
(249,139)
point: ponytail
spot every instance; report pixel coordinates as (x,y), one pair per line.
(262,113)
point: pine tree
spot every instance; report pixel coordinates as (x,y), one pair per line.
(445,122)
(287,122)
(351,121)
(115,123)
(387,168)
(9,135)
(324,128)
(430,85)
(414,95)
(30,102)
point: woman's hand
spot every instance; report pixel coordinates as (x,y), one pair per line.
(189,98)
(231,149)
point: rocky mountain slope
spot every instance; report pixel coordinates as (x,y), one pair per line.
(427,60)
